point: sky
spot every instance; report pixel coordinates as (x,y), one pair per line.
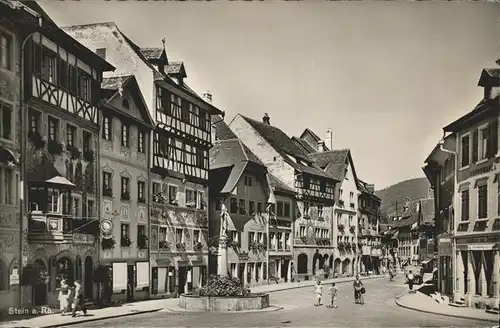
(386,77)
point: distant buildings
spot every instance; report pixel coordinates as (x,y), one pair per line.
(465,164)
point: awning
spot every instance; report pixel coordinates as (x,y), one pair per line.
(7,155)
(425,262)
(59,180)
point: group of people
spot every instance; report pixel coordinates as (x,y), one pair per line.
(359,290)
(71,299)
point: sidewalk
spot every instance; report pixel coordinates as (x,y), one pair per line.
(273,287)
(423,303)
(57,320)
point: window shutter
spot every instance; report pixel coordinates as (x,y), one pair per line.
(265,239)
(475,147)
(493,142)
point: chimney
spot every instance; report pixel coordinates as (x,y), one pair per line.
(321,146)
(266,119)
(207,96)
(370,188)
(329,139)
(487,92)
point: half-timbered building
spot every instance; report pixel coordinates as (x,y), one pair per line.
(60,121)
(179,165)
(313,191)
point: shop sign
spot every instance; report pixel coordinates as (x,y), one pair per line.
(480,247)
(479,240)
(444,248)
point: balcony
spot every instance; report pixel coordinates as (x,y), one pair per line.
(54,228)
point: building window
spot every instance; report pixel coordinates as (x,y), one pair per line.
(465,151)
(179,236)
(172,194)
(125,135)
(87,141)
(242,207)
(251,207)
(107,188)
(125,188)
(6,124)
(320,210)
(126,103)
(156,188)
(259,207)
(141,231)
(90,209)
(141,142)
(101,52)
(49,60)
(279,209)
(6,50)
(287,210)
(248,181)
(106,128)
(483,202)
(70,135)
(484,135)
(465,205)
(76,207)
(233,206)
(34,120)
(125,234)
(53,128)
(141,187)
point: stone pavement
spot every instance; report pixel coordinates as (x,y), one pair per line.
(57,320)
(420,302)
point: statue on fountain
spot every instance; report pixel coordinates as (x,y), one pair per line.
(224,223)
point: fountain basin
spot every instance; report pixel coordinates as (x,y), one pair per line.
(224,303)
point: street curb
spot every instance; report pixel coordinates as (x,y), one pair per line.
(101,318)
(271,308)
(441,314)
(312,284)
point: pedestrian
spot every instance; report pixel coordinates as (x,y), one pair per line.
(358,291)
(333,295)
(64,296)
(79,302)
(319,293)
(410,278)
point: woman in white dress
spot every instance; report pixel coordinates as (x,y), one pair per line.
(64,295)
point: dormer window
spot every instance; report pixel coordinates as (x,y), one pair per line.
(125,103)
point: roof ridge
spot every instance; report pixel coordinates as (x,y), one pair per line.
(87,25)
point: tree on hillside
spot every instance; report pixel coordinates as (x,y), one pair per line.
(396,194)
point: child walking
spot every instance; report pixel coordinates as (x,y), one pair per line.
(319,293)
(333,296)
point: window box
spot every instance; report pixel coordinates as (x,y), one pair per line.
(303,239)
(340,226)
(341,244)
(125,196)
(142,242)
(235,245)
(159,198)
(73,152)
(108,243)
(341,202)
(197,246)
(191,204)
(253,245)
(125,242)
(261,246)
(36,139)
(88,156)
(54,147)
(141,200)
(181,246)
(107,192)
(164,244)
(174,202)
(352,228)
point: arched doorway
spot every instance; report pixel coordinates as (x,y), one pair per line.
(330,263)
(65,270)
(78,268)
(354,266)
(40,289)
(317,259)
(302,264)
(345,266)
(89,278)
(337,266)
(325,260)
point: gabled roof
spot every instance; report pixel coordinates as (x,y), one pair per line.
(152,53)
(234,155)
(485,108)
(279,185)
(117,83)
(176,68)
(490,77)
(278,139)
(334,162)
(306,146)
(310,132)
(222,130)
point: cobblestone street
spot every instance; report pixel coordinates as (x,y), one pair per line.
(379,310)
